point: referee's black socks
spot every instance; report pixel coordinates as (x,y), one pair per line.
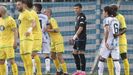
(77,61)
(83,61)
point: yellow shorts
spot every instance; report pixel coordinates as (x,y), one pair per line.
(123,48)
(26,46)
(7,53)
(37,45)
(57,47)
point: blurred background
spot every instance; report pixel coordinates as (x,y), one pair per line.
(64,14)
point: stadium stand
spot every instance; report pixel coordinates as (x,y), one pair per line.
(65,16)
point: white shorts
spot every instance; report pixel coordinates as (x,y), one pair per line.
(115,54)
(46,45)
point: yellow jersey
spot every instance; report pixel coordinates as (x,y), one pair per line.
(55,37)
(37,32)
(122,40)
(7,25)
(25,20)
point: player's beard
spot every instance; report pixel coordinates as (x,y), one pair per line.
(0,15)
(20,10)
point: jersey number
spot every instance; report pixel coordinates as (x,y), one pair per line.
(116,28)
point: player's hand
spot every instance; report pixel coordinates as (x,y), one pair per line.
(71,42)
(75,37)
(107,46)
(116,35)
(27,34)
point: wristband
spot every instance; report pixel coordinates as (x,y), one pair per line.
(74,37)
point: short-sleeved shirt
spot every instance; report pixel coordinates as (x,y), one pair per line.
(43,24)
(25,20)
(122,40)
(37,32)
(55,37)
(81,22)
(114,27)
(7,25)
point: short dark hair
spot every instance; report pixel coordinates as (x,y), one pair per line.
(38,6)
(114,7)
(78,5)
(29,3)
(110,11)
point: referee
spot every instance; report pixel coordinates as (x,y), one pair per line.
(79,40)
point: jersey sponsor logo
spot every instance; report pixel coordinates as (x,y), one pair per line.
(2,28)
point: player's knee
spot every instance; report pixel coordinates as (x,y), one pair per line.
(123,56)
(2,61)
(53,56)
(12,61)
(81,52)
(34,54)
(60,57)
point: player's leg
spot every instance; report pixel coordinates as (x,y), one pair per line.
(55,61)
(63,63)
(83,62)
(110,65)
(37,62)
(36,48)
(11,56)
(123,54)
(2,67)
(27,60)
(14,66)
(125,63)
(115,55)
(76,59)
(47,63)
(104,54)
(25,51)
(46,52)
(81,47)
(59,50)
(34,65)
(2,63)
(117,67)
(6,63)
(101,65)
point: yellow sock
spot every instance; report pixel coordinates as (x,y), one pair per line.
(24,64)
(64,67)
(57,64)
(126,67)
(2,69)
(27,60)
(110,66)
(38,65)
(14,69)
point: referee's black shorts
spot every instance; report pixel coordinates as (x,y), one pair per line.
(80,45)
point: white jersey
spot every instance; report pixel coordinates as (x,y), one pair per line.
(112,41)
(114,26)
(44,22)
